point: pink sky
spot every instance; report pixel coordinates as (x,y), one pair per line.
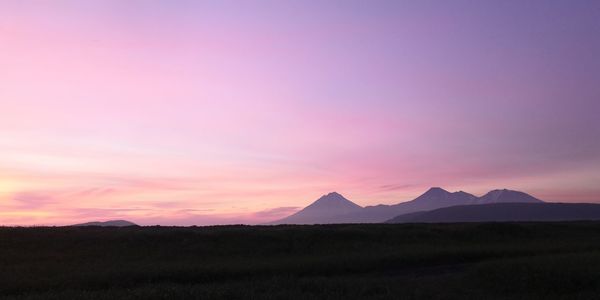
(208,112)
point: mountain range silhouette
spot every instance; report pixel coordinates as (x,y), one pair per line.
(435,205)
(334,208)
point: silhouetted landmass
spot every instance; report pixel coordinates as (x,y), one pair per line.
(350,261)
(112,223)
(331,210)
(506,196)
(505,212)
(434,198)
(322,210)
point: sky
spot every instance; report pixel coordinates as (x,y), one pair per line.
(217,112)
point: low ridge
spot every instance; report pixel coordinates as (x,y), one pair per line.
(112,223)
(505,212)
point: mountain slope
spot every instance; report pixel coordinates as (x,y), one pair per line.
(434,198)
(505,212)
(322,211)
(112,223)
(506,196)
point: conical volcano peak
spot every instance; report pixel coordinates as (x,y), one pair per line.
(440,192)
(333,194)
(436,191)
(437,196)
(323,210)
(333,199)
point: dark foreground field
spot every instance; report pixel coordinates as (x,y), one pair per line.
(387,261)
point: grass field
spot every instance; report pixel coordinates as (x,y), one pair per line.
(378,261)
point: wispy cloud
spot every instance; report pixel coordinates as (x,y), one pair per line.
(278,212)
(395,187)
(33,200)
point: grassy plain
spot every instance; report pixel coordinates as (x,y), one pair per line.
(375,261)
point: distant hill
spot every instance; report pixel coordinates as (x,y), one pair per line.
(434,198)
(322,211)
(505,212)
(112,223)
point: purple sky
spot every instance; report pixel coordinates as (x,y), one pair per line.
(201,112)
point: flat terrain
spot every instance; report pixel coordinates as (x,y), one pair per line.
(377,261)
